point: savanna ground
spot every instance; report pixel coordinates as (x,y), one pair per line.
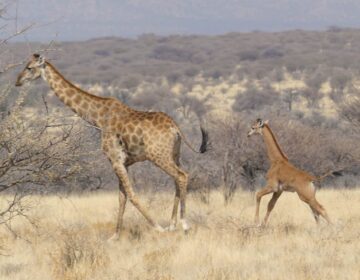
(69,239)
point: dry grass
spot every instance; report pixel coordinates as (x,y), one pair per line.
(70,240)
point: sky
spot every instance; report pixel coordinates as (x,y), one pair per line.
(70,20)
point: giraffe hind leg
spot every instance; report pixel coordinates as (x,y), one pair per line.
(176,157)
(316,207)
(316,214)
(181,180)
(320,209)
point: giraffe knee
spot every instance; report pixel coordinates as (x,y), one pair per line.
(133,199)
(321,207)
(183,180)
(185,176)
(122,197)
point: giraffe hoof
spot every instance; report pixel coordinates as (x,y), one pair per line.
(171,227)
(159,228)
(115,237)
(185,226)
(261,225)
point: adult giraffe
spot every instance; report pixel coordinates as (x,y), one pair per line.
(128,136)
(283,176)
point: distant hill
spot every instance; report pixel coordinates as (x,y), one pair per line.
(302,72)
(84,19)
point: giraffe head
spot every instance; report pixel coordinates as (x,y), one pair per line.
(32,70)
(257,127)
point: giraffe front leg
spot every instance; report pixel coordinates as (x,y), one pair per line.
(173,221)
(271,205)
(122,203)
(124,178)
(268,189)
(117,156)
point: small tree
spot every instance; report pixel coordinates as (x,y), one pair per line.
(242,159)
(349,110)
(33,151)
(289,96)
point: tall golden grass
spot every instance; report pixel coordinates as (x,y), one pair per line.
(70,240)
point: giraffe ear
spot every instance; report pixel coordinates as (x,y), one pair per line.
(39,59)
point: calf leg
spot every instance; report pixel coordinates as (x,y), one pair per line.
(315,206)
(316,214)
(320,209)
(271,205)
(268,189)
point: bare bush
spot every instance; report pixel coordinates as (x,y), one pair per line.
(78,253)
(17,206)
(190,104)
(10,126)
(249,55)
(315,80)
(255,99)
(164,52)
(289,96)
(349,110)
(40,156)
(340,78)
(241,163)
(39,152)
(315,149)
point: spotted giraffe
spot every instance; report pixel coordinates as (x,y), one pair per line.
(128,136)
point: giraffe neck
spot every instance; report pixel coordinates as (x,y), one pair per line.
(90,107)
(273,149)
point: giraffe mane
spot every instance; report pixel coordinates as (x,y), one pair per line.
(276,142)
(71,84)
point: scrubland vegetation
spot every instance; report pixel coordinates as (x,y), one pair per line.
(302,81)
(58,192)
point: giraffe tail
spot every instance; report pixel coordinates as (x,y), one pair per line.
(330,173)
(204,141)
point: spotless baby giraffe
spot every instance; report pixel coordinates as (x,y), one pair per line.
(283,176)
(128,136)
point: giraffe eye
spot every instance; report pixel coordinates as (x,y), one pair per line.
(28,68)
